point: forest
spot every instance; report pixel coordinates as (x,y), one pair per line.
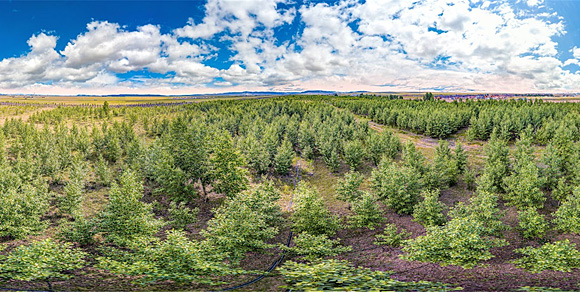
(296,193)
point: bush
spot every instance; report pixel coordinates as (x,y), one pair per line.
(42,260)
(367,212)
(429,212)
(531,224)
(347,189)
(567,217)
(461,242)
(311,214)
(177,259)
(482,208)
(21,211)
(398,186)
(313,247)
(354,153)
(333,275)
(558,256)
(181,215)
(125,216)
(391,236)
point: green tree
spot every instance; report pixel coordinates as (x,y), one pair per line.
(43,260)
(176,258)
(567,217)
(284,156)
(429,212)
(229,176)
(354,153)
(181,215)
(21,210)
(383,143)
(348,187)
(428,96)
(531,224)
(311,214)
(398,186)
(413,158)
(558,256)
(74,189)
(460,157)
(482,207)
(126,217)
(366,212)
(460,242)
(313,247)
(391,236)
(496,165)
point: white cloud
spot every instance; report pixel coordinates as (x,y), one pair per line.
(375,45)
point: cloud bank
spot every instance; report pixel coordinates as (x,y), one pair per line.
(376,45)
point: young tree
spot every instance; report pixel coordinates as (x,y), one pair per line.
(314,247)
(558,256)
(531,224)
(383,143)
(126,218)
(311,214)
(74,189)
(21,210)
(483,208)
(567,217)
(283,157)
(391,236)
(398,186)
(460,157)
(353,154)
(413,158)
(496,165)
(227,172)
(348,187)
(181,215)
(367,212)
(43,260)
(429,212)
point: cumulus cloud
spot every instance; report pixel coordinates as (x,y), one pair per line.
(348,45)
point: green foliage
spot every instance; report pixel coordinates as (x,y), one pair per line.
(177,259)
(229,176)
(41,260)
(542,289)
(531,224)
(469,179)
(429,212)
(444,171)
(496,166)
(313,247)
(391,236)
(21,211)
(461,242)
(103,172)
(366,212)
(74,189)
(81,231)
(483,208)
(244,223)
(398,186)
(126,217)
(334,275)
(283,157)
(428,96)
(383,143)
(567,217)
(348,187)
(354,153)
(181,215)
(311,214)
(558,256)
(413,158)
(460,157)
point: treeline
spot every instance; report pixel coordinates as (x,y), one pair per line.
(440,119)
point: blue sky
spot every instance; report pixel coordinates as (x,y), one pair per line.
(186,47)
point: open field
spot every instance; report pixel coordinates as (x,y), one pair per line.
(202,196)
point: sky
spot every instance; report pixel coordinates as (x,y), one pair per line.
(213,46)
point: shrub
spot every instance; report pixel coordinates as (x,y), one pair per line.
(398,186)
(334,275)
(311,214)
(429,212)
(567,217)
(125,216)
(283,157)
(313,247)
(483,208)
(367,212)
(21,210)
(347,189)
(74,190)
(461,242)
(531,224)
(558,256)
(177,259)
(181,215)
(42,260)
(391,236)
(354,153)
